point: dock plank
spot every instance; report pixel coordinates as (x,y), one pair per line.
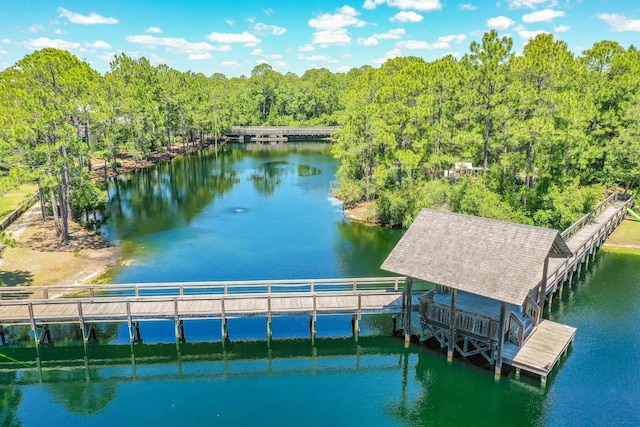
(542,351)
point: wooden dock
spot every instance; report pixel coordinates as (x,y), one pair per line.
(549,340)
(584,238)
(542,351)
(40,306)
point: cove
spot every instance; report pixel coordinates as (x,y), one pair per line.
(254,213)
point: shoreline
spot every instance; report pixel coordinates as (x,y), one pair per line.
(39,258)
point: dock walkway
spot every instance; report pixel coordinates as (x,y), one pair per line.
(41,306)
(550,340)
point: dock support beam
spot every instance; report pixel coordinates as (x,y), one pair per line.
(408,309)
(312,326)
(355,326)
(180,336)
(452,331)
(503,315)
(224,329)
(543,290)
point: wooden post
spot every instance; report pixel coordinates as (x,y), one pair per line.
(543,290)
(452,325)
(408,309)
(312,320)
(269,314)
(223,325)
(503,313)
(32,320)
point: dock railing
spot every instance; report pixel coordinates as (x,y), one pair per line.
(597,238)
(466,322)
(171,289)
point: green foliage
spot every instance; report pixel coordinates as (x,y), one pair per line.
(400,207)
(473,197)
(538,127)
(562,207)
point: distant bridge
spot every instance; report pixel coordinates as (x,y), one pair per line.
(279,133)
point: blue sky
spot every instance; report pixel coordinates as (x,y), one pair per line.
(232,37)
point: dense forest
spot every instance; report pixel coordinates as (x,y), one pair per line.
(544,131)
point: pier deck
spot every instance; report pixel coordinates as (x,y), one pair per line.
(542,351)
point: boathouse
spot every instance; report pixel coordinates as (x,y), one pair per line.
(490,282)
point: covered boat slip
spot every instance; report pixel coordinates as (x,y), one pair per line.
(492,279)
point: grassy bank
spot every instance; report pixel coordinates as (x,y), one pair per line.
(13,199)
(626,238)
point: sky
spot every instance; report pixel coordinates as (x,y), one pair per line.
(232,37)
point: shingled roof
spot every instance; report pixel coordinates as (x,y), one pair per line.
(496,259)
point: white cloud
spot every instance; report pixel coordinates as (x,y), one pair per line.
(43,42)
(500,23)
(259,52)
(328,37)
(107,56)
(154,30)
(245,37)
(406,17)
(394,53)
(546,15)
(315,58)
(200,56)
(3,52)
(230,22)
(455,38)
(419,5)
(35,28)
(176,45)
(6,41)
(394,34)
(346,17)
(443,42)
(331,28)
(619,23)
(561,28)
(99,44)
(528,35)
(369,41)
(468,6)
(90,19)
(156,59)
(531,4)
(231,64)
(264,29)
(58,32)
(413,44)
(307,48)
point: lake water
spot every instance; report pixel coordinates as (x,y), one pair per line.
(258,214)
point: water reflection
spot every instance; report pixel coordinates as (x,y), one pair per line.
(167,196)
(269,175)
(409,387)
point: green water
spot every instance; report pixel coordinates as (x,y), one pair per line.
(268,214)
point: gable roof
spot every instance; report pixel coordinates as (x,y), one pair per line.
(496,259)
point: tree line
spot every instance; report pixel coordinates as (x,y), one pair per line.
(547,130)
